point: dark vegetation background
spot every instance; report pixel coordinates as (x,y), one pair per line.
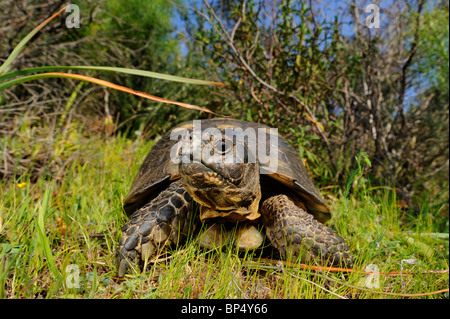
(332,86)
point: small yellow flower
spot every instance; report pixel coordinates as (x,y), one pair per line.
(240,82)
(22,185)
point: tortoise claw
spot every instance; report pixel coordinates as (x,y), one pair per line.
(126,259)
(123,267)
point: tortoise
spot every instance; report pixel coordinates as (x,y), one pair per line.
(233,173)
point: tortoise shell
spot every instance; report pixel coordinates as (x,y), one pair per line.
(158,170)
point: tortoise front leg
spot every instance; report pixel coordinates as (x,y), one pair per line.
(161,222)
(295,232)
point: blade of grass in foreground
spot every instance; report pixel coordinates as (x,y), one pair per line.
(100,82)
(138,72)
(25,40)
(43,238)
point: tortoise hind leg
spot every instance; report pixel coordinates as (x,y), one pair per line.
(293,231)
(161,222)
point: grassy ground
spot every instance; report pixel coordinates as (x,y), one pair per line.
(55,233)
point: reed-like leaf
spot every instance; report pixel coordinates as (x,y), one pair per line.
(138,72)
(40,227)
(23,79)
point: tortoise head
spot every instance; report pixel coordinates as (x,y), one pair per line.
(221,174)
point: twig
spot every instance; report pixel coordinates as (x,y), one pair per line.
(32,282)
(436,170)
(233,47)
(404,68)
(235,28)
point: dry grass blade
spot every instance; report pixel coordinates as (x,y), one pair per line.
(24,41)
(103,83)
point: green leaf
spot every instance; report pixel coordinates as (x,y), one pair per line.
(138,72)
(350,182)
(43,240)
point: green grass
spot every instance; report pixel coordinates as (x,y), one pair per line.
(49,226)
